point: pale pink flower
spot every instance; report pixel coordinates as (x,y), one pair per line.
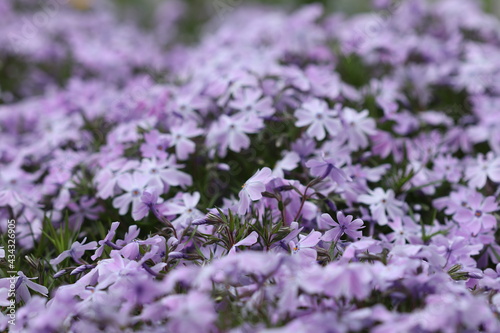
(320,119)
(253,188)
(382,205)
(357,127)
(482,168)
(133,184)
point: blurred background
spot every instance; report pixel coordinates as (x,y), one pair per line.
(198,12)
(204,7)
(43,44)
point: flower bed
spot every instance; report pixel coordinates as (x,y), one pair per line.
(290,172)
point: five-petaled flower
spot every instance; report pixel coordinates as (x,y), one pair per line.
(476,215)
(320,119)
(345,225)
(383,204)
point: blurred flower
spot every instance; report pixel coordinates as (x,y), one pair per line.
(476,215)
(76,251)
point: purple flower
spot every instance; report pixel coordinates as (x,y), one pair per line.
(383,144)
(304,247)
(318,117)
(404,230)
(304,146)
(109,237)
(448,167)
(483,168)
(251,101)
(164,173)
(133,184)
(253,188)
(4,292)
(180,139)
(23,283)
(345,225)
(277,101)
(326,168)
(192,312)
(132,233)
(247,241)
(455,200)
(117,269)
(83,210)
(150,200)
(15,184)
(475,216)
(231,132)
(76,251)
(324,81)
(185,208)
(455,250)
(289,162)
(358,126)
(351,281)
(107,178)
(155,146)
(491,278)
(382,204)
(186,102)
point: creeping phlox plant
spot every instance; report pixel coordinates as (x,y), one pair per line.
(289,172)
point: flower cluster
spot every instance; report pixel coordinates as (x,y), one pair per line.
(311,172)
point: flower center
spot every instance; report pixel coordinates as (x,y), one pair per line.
(478,213)
(135,193)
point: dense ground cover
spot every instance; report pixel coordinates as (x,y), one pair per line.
(289,172)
